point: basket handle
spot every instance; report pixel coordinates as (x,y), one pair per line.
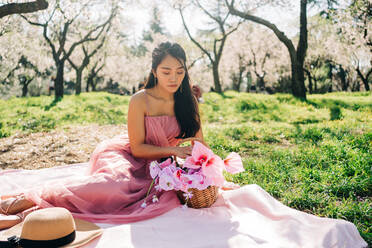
(192,140)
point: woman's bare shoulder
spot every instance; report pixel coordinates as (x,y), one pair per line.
(138,100)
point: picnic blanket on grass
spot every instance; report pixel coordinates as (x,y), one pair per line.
(245,217)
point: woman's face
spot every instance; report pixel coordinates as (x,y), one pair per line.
(170,73)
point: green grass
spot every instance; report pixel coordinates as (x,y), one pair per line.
(312,155)
(37,114)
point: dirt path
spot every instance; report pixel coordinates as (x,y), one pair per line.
(69,145)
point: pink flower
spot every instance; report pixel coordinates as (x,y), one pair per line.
(233,163)
(166,179)
(187,195)
(203,183)
(165,163)
(199,156)
(154,169)
(213,170)
(211,165)
(191,181)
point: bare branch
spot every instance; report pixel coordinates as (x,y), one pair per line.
(219,21)
(18,8)
(33,23)
(245,15)
(45,29)
(194,61)
(87,36)
(192,39)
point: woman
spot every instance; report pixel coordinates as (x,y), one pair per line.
(118,179)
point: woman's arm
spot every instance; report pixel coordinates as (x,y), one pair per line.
(136,133)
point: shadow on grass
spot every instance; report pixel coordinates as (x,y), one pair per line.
(329,103)
(53,103)
(225,96)
(305,121)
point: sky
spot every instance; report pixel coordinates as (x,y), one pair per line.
(140,15)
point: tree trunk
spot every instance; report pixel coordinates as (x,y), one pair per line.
(297,58)
(364,79)
(216,79)
(79,74)
(299,89)
(94,84)
(235,83)
(240,80)
(260,82)
(24,90)
(59,79)
(310,81)
(298,85)
(25,87)
(248,76)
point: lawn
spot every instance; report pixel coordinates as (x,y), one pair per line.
(312,155)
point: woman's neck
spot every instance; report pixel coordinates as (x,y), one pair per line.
(160,94)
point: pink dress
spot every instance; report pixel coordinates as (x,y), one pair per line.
(116,184)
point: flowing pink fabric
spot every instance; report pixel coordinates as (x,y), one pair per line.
(116,183)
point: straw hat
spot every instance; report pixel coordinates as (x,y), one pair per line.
(50,227)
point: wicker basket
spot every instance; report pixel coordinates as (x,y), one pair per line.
(200,198)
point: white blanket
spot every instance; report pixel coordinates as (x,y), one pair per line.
(245,217)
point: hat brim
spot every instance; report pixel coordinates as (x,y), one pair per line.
(85,232)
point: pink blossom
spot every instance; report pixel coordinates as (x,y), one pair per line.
(154,169)
(203,183)
(166,179)
(165,163)
(190,163)
(213,170)
(199,156)
(191,181)
(233,163)
(187,195)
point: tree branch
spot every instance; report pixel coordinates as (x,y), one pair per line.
(219,21)
(45,29)
(87,36)
(281,36)
(193,40)
(19,8)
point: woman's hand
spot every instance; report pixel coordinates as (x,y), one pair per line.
(182,152)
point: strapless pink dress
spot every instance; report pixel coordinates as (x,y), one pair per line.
(116,184)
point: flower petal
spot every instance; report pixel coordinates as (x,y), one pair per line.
(165,163)
(154,169)
(200,151)
(190,163)
(233,163)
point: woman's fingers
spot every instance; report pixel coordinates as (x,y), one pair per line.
(188,150)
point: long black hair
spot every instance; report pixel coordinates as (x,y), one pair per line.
(185,105)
